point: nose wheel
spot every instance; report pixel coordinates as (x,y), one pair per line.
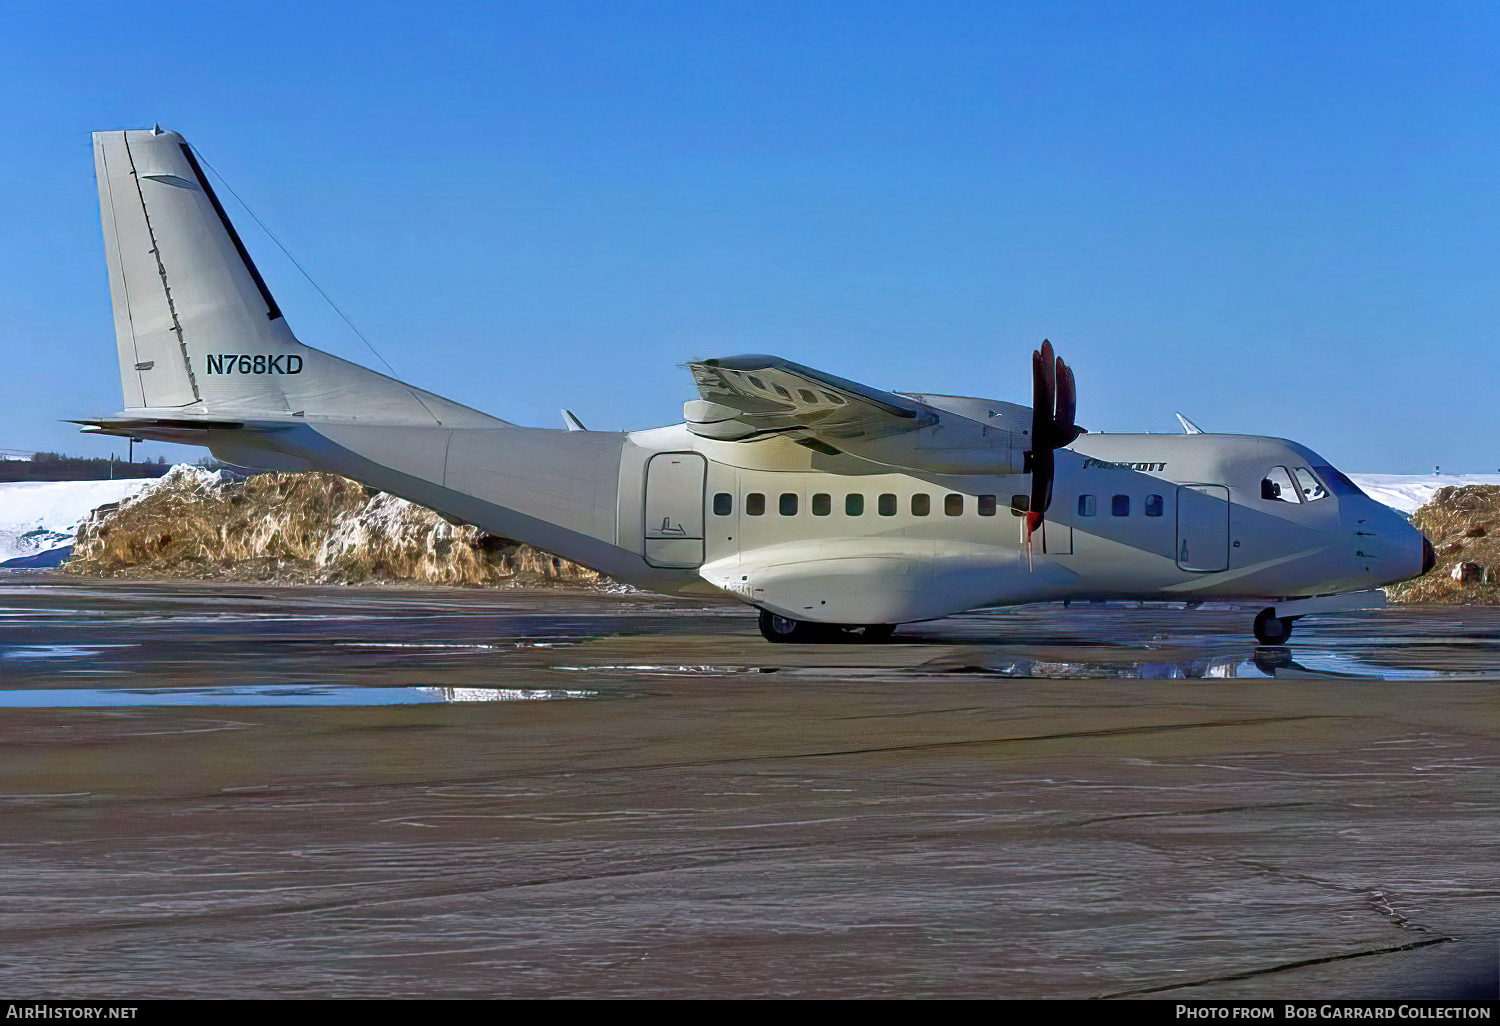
(1272,631)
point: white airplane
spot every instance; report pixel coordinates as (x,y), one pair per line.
(828,505)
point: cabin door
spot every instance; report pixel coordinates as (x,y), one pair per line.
(1203,527)
(674,510)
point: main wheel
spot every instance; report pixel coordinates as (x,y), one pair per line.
(878,632)
(784,628)
(1271,631)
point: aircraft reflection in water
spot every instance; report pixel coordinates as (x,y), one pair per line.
(1266,661)
(826,504)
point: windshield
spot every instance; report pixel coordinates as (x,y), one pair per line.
(1337,483)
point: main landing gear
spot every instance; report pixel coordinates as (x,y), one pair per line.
(1272,631)
(783,628)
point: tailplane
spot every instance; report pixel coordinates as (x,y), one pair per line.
(199,334)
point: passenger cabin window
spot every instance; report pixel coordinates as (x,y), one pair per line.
(755,504)
(953,505)
(854,505)
(1087,505)
(987,505)
(787,504)
(822,504)
(1019,504)
(886,505)
(921,505)
(1154,506)
(1120,506)
(1277,486)
(723,504)
(1312,488)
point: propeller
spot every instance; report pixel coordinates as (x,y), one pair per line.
(1054,405)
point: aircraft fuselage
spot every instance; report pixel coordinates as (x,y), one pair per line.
(837,539)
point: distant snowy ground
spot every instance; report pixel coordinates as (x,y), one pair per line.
(1410,492)
(39,519)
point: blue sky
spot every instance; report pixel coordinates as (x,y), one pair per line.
(1278,218)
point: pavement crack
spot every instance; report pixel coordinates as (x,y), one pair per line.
(1383,904)
(1281,968)
(1380,901)
(1190,812)
(1158,728)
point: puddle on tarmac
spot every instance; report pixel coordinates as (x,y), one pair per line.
(272,695)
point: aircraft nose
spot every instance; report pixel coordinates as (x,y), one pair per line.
(1429,555)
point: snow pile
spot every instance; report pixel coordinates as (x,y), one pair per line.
(189,478)
(1463,524)
(38,519)
(1410,492)
(299,528)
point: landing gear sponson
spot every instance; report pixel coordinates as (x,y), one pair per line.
(783,628)
(1273,624)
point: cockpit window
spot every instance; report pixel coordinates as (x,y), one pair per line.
(1312,488)
(1277,486)
(1337,483)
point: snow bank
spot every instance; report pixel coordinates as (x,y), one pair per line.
(1410,492)
(39,519)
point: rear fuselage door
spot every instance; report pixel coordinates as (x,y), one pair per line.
(674,510)
(1203,527)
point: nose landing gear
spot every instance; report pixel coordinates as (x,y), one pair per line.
(1272,631)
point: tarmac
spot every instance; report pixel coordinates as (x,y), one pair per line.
(231,791)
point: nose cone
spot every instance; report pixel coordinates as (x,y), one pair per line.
(1388,549)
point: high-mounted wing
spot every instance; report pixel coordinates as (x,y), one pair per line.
(747,398)
(746,395)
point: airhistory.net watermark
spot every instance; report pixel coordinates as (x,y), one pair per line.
(45,1011)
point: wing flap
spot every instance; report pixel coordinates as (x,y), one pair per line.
(768,393)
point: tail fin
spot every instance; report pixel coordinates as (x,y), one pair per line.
(199,333)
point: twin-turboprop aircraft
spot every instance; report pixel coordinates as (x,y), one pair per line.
(829,506)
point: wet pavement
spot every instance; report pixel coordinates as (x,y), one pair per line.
(213,790)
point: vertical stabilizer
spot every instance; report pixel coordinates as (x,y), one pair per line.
(197,329)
